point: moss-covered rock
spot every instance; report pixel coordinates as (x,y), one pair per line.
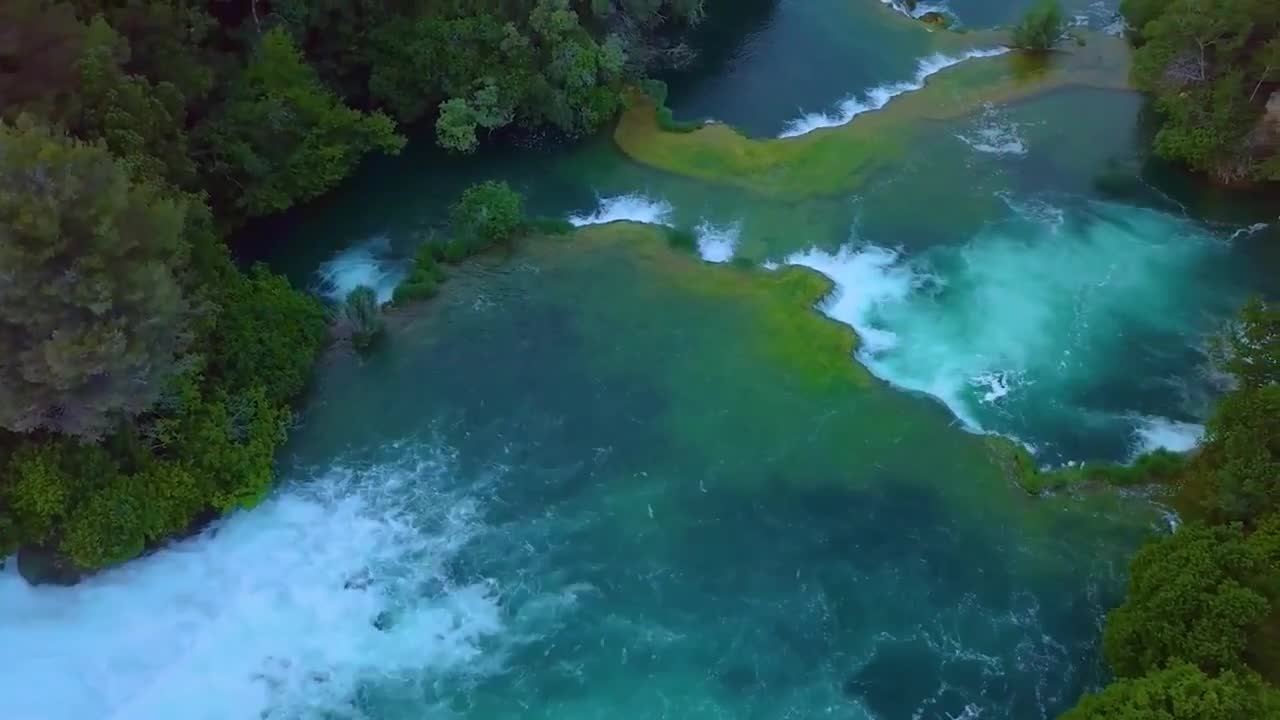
(935,19)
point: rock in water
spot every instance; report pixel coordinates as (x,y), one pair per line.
(40,566)
(936,19)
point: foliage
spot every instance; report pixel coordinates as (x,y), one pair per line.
(363,315)
(540,63)
(1193,598)
(424,279)
(1211,65)
(39,48)
(266,336)
(149,127)
(1041,27)
(283,138)
(1158,467)
(91,313)
(487,214)
(1236,475)
(1181,692)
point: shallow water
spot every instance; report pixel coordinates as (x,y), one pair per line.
(600,477)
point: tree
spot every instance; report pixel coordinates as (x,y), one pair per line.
(40,45)
(266,335)
(1181,692)
(142,124)
(487,214)
(1206,62)
(1040,28)
(1193,598)
(91,312)
(282,138)
(1239,464)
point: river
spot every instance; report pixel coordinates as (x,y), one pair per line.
(601,477)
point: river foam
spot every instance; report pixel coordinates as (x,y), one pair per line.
(370,263)
(717,243)
(631,207)
(995,134)
(1014,329)
(879,96)
(1161,433)
(281,612)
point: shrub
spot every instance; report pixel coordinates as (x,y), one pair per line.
(487,214)
(363,315)
(425,278)
(1040,28)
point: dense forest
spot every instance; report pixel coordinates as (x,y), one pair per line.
(147,381)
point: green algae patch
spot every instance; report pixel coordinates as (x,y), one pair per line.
(816,351)
(840,159)
(1157,468)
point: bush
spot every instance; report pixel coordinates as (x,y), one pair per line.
(363,314)
(424,280)
(1040,28)
(487,214)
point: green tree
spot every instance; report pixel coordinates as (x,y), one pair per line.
(282,138)
(1040,28)
(91,311)
(1193,598)
(1181,692)
(40,46)
(266,335)
(487,214)
(1206,62)
(142,124)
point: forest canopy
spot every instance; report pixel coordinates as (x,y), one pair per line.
(1213,67)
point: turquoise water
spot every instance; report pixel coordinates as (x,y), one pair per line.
(598,477)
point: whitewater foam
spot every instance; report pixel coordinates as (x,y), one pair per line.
(1028,313)
(280,612)
(879,96)
(631,207)
(1160,433)
(717,243)
(1248,231)
(370,263)
(995,135)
